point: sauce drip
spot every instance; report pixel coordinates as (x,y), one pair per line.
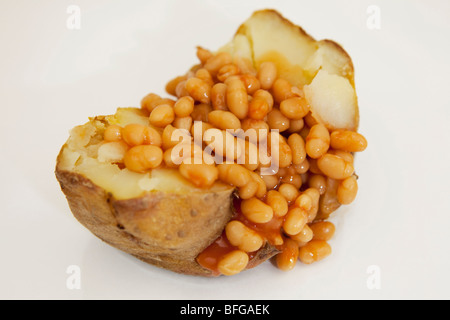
(270,231)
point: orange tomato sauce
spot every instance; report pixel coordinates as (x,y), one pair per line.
(270,231)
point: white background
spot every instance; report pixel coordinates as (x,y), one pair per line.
(53,78)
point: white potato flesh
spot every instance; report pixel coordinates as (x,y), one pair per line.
(333,101)
(301,59)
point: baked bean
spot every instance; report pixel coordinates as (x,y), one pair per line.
(278,203)
(243,237)
(204,75)
(249,155)
(295,180)
(290,170)
(249,190)
(200,116)
(310,120)
(227,71)
(198,154)
(168,101)
(284,157)
(162,116)
(295,221)
(171,86)
(319,182)
(267,74)
(251,83)
(302,167)
(148,102)
(216,62)
(346,140)
(296,126)
(298,91)
(258,109)
(268,165)
(264,94)
(314,194)
(219,96)
(201,175)
(305,177)
(181,90)
(233,262)
(184,107)
(261,191)
(335,167)
(113,133)
(304,201)
(168,159)
(199,128)
(297,145)
(289,191)
(167,137)
(286,171)
(179,154)
(183,153)
(281,90)
(152,103)
(287,259)
(142,158)
(190,153)
(314,251)
(260,127)
(203,55)
(183,123)
(135,134)
(223,143)
(347,190)
(304,132)
(317,141)
(192,71)
(224,120)
(237,98)
(277,240)
(256,211)
(313,167)
(347,156)
(171,137)
(271,181)
(303,236)
(234,174)
(152,136)
(201,112)
(329,202)
(276,120)
(199,90)
(294,108)
(323,230)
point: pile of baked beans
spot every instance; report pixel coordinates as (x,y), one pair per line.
(287,209)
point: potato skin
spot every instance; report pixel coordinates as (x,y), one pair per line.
(162,229)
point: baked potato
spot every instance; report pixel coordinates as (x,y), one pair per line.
(122,183)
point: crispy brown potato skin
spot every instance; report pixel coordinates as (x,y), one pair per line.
(162,229)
